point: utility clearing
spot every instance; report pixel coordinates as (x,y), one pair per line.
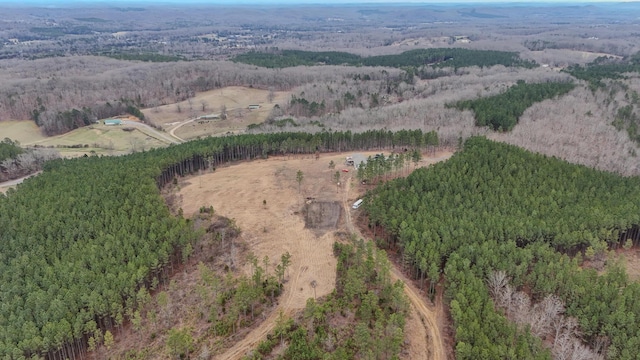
(276,214)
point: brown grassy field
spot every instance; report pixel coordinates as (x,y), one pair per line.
(114,141)
(238,191)
(99,139)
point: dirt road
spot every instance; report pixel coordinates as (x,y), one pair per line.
(5,185)
(433,346)
(172,132)
(153,132)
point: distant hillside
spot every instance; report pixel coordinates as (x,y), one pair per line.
(440,57)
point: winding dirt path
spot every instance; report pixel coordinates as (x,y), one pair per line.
(172,132)
(430,316)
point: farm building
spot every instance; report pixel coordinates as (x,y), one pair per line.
(254,107)
(209,117)
(111,122)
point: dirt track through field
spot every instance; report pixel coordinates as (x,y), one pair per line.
(238,191)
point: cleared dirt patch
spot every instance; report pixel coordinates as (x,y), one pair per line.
(630,260)
(263,198)
(322,215)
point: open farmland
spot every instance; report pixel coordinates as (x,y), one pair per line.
(26,132)
(180,118)
(102,139)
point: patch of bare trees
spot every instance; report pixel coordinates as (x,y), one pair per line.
(26,163)
(577,127)
(417,105)
(78,82)
(545,319)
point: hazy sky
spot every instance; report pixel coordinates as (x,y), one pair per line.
(60,2)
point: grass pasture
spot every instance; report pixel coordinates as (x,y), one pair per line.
(24,131)
(101,139)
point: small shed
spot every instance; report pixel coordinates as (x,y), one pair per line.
(209,117)
(111,122)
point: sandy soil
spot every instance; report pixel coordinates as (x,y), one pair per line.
(236,99)
(238,191)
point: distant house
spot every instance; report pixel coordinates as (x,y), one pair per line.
(111,122)
(254,107)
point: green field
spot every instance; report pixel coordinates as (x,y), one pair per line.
(24,131)
(101,139)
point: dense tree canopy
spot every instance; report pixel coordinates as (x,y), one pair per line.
(9,149)
(604,68)
(439,57)
(501,112)
(497,207)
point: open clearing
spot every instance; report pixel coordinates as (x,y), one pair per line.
(112,140)
(179,117)
(239,191)
(25,131)
(562,57)
(102,139)
(99,138)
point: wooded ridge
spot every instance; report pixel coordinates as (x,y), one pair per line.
(498,207)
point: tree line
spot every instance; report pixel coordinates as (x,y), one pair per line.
(413,59)
(380,167)
(495,207)
(59,122)
(9,149)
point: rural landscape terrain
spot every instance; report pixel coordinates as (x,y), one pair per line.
(305,181)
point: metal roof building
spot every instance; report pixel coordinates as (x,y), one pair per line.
(113,122)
